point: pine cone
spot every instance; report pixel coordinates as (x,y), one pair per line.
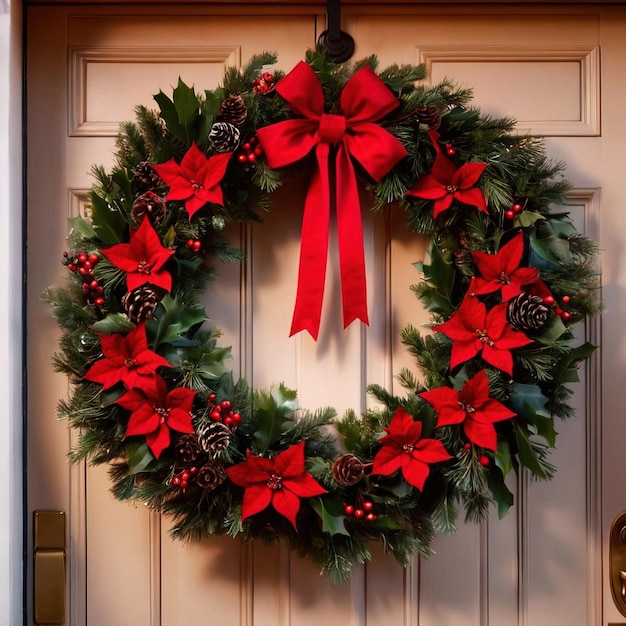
(211,475)
(145,176)
(527,312)
(187,449)
(224,137)
(347,470)
(151,205)
(234,110)
(429,116)
(215,437)
(140,303)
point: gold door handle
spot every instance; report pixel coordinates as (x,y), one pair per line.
(49,567)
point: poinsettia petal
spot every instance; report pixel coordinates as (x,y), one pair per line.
(510,254)
(387,460)
(481,434)
(158,279)
(468,174)
(159,440)
(443,169)
(216,169)
(463,351)
(239,474)
(132,400)
(192,163)
(180,420)
(502,359)
(445,401)
(120,255)
(427,187)
(193,205)
(181,398)
(442,205)
(475,390)
(143,421)
(290,462)
(495,411)
(106,372)
(287,504)
(489,265)
(256,498)
(304,485)
(415,472)
(431,451)
(473,197)
(483,287)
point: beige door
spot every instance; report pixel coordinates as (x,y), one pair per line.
(545,563)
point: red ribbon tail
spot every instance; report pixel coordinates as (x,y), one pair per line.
(350,236)
(313,250)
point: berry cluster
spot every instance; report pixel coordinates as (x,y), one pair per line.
(516,209)
(194,245)
(223,412)
(83,264)
(264,84)
(562,313)
(250,151)
(450,149)
(182,479)
(363,510)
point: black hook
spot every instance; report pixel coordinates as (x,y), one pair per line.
(339,45)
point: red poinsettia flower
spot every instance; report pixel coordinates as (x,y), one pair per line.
(474,330)
(280,481)
(155,414)
(502,270)
(472,407)
(196,180)
(127,359)
(446,183)
(403,449)
(142,259)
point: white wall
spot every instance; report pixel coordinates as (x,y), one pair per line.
(11,524)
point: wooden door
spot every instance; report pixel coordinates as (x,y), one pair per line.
(545,562)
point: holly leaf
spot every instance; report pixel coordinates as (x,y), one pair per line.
(108,221)
(331,514)
(140,459)
(273,415)
(527,218)
(212,363)
(552,331)
(527,455)
(113,323)
(186,104)
(171,320)
(82,227)
(500,492)
(170,115)
(503,458)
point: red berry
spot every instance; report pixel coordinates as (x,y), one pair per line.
(517,207)
(71,267)
(549,300)
(194,470)
(246,146)
(215,415)
(349,509)
(99,301)
(253,140)
(359,514)
(258,151)
(368,505)
(509,214)
(212,397)
(87,264)
(65,254)
(94,258)
(93,284)
(565,316)
(185,475)
(183,484)
(566,299)
(370,517)
(82,257)
(558,310)
(176,480)
(484,460)
(197,245)
(236,419)
(242,158)
(252,157)
(228,420)
(225,404)
(85,287)
(189,243)
(467,447)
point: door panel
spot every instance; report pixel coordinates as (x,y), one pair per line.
(540,565)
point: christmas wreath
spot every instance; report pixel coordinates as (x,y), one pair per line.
(505,281)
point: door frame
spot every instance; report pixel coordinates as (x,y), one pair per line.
(12,251)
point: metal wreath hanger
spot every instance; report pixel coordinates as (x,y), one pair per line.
(338,44)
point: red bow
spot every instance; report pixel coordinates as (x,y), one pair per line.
(365,99)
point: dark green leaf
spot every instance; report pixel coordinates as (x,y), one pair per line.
(527,454)
(500,492)
(332,515)
(114,323)
(140,459)
(108,221)
(83,228)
